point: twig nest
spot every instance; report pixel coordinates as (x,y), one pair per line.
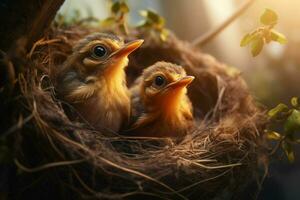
(215,160)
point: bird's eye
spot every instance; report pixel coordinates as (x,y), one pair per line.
(99,51)
(159,81)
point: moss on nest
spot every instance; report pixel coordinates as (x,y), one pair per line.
(69,159)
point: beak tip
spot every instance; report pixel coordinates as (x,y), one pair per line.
(183,82)
(139,42)
(129,48)
(189,79)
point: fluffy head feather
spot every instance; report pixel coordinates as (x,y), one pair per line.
(93,80)
(166,109)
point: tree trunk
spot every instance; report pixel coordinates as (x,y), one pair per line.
(26,19)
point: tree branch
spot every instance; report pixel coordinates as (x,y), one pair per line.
(207,37)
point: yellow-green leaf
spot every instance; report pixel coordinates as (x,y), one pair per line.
(278,37)
(143,13)
(295,101)
(246,39)
(278,109)
(257,45)
(292,123)
(108,21)
(152,17)
(115,8)
(272,135)
(124,7)
(288,150)
(164,35)
(269,17)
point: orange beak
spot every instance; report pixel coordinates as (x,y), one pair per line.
(171,95)
(117,57)
(181,83)
(173,90)
(127,49)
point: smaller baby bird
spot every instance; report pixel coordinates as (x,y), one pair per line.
(160,105)
(93,80)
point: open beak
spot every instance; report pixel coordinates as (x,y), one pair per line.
(181,83)
(127,49)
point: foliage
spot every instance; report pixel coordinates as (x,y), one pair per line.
(264,34)
(154,22)
(62,20)
(289,119)
(119,12)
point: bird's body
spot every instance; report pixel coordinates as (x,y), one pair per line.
(93,80)
(160,106)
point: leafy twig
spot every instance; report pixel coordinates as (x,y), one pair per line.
(264,34)
(119,11)
(154,23)
(289,118)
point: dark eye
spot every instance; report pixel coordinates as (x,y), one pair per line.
(159,81)
(99,51)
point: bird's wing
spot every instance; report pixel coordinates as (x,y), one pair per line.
(74,89)
(137,108)
(81,93)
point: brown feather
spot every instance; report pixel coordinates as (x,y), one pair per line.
(97,87)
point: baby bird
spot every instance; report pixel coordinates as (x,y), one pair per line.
(93,80)
(160,105)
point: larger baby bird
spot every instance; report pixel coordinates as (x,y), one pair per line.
(161,106)
(93,80)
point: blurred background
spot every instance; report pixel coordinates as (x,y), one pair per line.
(273,76)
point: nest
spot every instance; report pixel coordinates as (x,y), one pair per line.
(60,158)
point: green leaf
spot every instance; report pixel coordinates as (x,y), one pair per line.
(152,17)
(295,101)
(278,37)
(143,13)
(257,45)
(119,7)
(292,123)
(124,7)
(288,150)
(278,109)
(247,39)
(269,17)
(164,35)
(115,8)
(108,21)
(272,135)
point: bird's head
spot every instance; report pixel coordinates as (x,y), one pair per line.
(101,55)
(164,88)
